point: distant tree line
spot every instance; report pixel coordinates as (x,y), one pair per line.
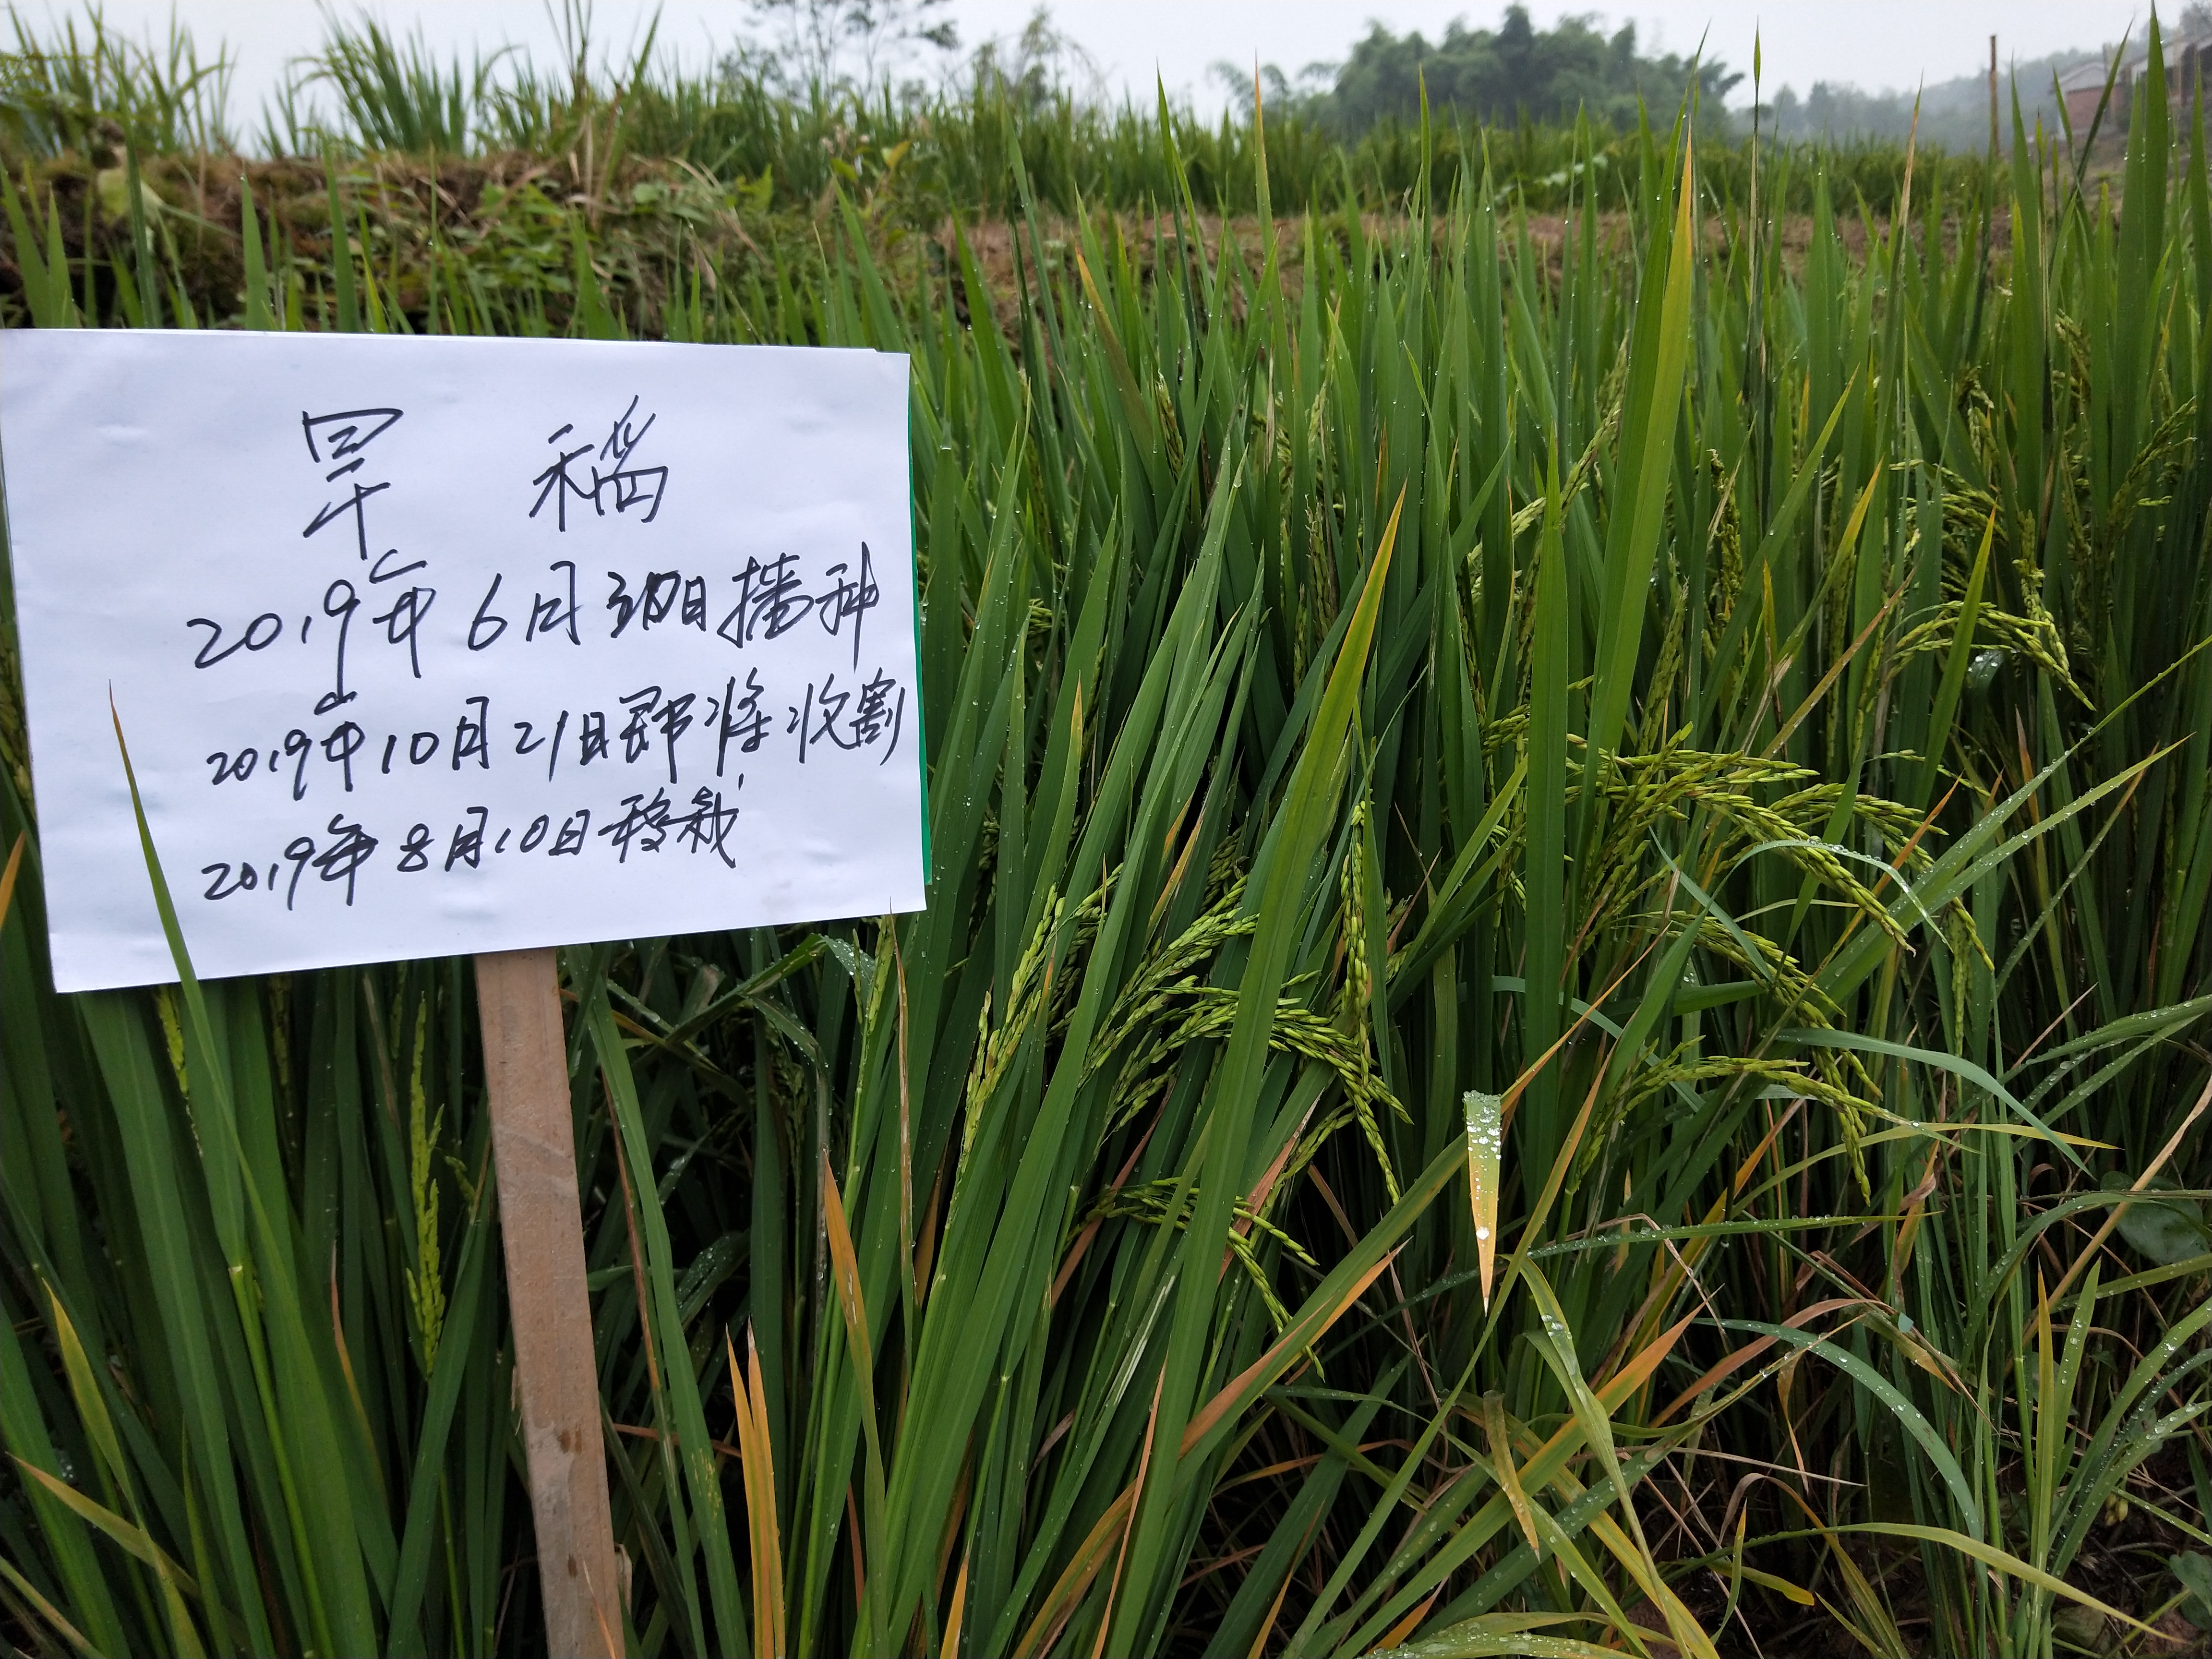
(1954,114)
(1494,76)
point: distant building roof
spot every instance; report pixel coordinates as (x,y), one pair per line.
(2089,76)
(2171,46)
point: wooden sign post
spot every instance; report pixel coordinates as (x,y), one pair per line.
(429,647)
(542,1226)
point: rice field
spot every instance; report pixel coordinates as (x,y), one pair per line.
(1564,1003)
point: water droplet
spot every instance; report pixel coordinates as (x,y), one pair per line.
(1484,1120)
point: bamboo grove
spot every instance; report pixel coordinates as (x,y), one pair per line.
(1563,1007)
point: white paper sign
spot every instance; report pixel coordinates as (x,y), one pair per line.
(431,646)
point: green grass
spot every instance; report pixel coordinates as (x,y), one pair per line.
(1735,717)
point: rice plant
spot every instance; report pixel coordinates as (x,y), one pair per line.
(1563,1008)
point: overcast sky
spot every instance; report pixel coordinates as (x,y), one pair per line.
(1874,44)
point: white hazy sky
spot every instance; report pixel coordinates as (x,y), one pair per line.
(1874,44)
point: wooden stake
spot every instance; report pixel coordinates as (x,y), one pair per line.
(542,1226)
